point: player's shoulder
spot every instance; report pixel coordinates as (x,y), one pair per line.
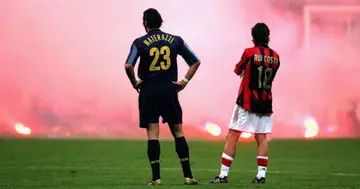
(250,51)
(255,49)
(275,52)
(176,37)
(158,35)
(138,40)
(170,34)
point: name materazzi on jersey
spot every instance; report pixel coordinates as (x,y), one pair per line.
(154,38)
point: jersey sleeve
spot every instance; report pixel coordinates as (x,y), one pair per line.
(242,63)
(188,55)
(133,55)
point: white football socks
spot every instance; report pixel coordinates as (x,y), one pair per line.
(262,166)
(226,162)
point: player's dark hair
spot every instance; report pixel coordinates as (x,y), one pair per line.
(260,33)
(152,19)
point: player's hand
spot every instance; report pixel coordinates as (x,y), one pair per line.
(242,75)
(137,85)
(179,85)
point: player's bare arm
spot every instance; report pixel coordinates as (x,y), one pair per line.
(131,75)
(189,75)
(192,70)
(129,66)
(240,67)
(193,62)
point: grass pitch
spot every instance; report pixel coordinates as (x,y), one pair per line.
(95,164)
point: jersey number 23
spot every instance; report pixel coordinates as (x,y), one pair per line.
(155,52)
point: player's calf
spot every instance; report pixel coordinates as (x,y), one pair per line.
(227,157)
(154,158)
(182,150)
(262,159)
(226,162)
(262,168)
(262,162)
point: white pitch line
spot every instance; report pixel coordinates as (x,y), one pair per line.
(232,170)
(345,174)
(166,169)
(271,172)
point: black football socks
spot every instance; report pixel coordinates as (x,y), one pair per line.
(182,150)
(154,158)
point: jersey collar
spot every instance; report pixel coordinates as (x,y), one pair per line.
(263,45)
(154,30)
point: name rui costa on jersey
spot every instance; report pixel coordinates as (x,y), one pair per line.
(154,38)
(267,59)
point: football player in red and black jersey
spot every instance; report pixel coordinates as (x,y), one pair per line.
(252,113)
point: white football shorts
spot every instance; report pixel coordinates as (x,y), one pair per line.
(245,121)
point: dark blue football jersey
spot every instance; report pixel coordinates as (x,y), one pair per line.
(158,53)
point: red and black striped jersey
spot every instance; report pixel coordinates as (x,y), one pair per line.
(260,65)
